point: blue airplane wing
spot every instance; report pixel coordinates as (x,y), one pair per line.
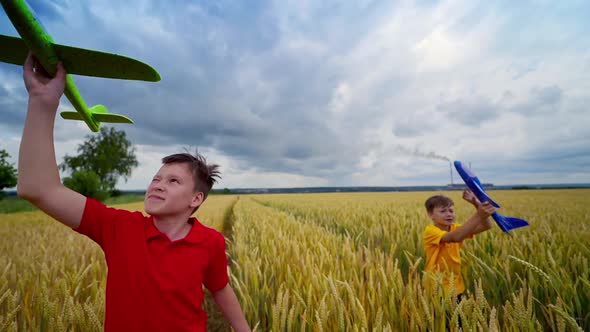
(505,223)
(473,183)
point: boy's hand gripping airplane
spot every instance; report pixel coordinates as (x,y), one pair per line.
(75,60)
(472,182)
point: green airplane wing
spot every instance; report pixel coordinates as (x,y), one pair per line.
(81,61)
(13,50)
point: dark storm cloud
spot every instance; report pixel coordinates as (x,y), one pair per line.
(209,107)
(541,101)
(470,112)
(13,100)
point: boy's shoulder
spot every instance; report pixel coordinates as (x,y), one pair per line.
(95,210)
(430,227)
(454,226)
(206,234)
(204,228)
(434,228)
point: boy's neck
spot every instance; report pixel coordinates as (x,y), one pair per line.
(174,227)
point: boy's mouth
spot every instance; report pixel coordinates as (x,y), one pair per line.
(155,197)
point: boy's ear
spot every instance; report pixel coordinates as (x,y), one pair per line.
(197,200)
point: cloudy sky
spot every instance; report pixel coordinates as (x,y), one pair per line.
(335,93)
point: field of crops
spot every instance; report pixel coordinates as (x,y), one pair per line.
(331,262)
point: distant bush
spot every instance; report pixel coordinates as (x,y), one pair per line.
(7,173)
(116,193)
(86,183)
(521,188)
(124,199)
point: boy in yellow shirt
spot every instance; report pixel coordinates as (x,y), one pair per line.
(443,239)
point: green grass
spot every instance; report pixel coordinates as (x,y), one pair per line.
(13,204)
(124,199)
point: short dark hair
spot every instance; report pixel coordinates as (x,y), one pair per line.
(204,176)
(437,201)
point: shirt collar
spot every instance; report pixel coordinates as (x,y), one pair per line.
(195,235)
(197,232)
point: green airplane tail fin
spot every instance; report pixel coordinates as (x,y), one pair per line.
(99,113)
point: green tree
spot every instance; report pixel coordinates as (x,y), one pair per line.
(86,183)
(7,173)
(108,154)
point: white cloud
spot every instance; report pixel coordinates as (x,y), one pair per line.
(340,98)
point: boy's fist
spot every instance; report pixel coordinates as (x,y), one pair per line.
(40,85)
(485,209)
(470,197)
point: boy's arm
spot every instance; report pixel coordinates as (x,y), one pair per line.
(484,210)
(38,176)
(470,197)
(483,226)
(228,303)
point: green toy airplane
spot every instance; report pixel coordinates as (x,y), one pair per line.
(75,60)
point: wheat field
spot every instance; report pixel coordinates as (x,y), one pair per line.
(331,262)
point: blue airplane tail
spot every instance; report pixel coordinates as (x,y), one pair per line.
(508,223)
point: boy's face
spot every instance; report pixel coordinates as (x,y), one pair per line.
(171,191)
(443,216)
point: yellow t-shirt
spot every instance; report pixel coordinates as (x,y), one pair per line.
(443,257)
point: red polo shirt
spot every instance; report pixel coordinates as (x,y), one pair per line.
(154,284)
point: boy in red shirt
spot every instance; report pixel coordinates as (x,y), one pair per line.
(157,265)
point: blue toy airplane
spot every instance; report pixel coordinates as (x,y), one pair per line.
(472,182)
(75,60)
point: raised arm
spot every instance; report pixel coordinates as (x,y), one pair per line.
(484,210)
(38,176)
(470,197)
